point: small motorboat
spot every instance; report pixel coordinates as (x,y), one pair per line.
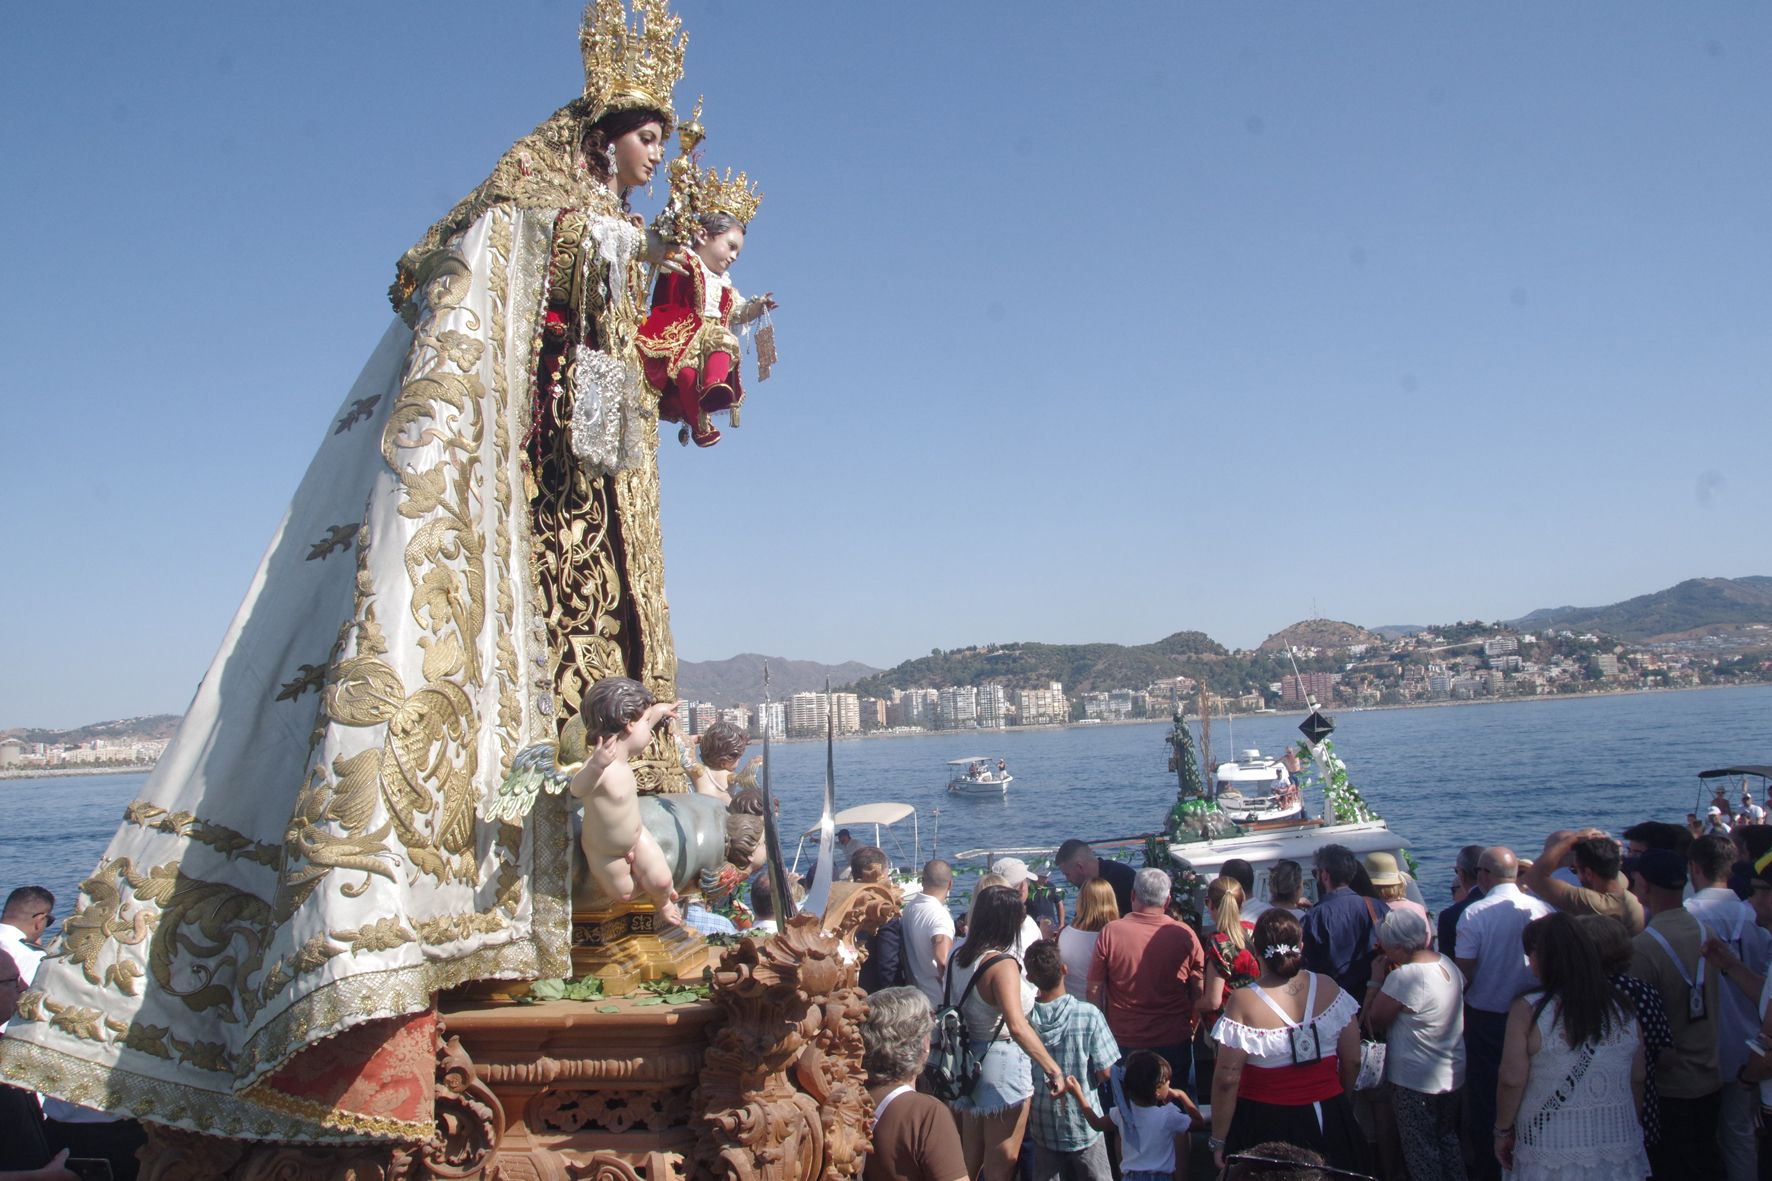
(1257,790)
(974,776)
(880,817)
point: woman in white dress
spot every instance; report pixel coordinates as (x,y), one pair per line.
(1570,1099)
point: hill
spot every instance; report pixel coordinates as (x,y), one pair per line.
(739,681)
(1085,668)
(152,729)
(1696,605)
(1320,633)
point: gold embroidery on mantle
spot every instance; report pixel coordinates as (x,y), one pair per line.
(598,551)
(219,837)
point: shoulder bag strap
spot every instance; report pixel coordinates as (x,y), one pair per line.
(886,1100)
(1672,956)
(1270,1002)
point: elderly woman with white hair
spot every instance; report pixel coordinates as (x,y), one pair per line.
(1418,1009)
(914,1135)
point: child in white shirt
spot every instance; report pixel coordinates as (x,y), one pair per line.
(1153,1118)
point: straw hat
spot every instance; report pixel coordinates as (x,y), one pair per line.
(1382,869)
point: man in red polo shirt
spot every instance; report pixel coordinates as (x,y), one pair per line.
(1146,973)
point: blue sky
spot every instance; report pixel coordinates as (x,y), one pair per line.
(1098,321)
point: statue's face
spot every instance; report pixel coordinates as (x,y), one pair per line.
(637,153)
(720,251)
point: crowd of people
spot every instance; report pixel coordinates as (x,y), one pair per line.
(1599,1010)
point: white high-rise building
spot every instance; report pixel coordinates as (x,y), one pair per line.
(807,714)
(847,707)
(993,707)
(914,707)
(956,708)
(698,716)
(772,715)
(1042,707)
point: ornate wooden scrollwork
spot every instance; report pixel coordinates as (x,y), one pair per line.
(782,1097)
(470,1119)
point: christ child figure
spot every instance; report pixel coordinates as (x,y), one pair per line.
(687,343)
(624,858)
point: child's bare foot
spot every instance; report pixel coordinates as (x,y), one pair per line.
(671,913)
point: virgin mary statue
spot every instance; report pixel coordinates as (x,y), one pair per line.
(476,541)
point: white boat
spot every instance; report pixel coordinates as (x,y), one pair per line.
(1298,842)
(1257,790)
(974,776)
(880,817)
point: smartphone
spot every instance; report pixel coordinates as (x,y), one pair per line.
(89,1168)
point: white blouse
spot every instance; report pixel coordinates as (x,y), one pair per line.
(1315,1038)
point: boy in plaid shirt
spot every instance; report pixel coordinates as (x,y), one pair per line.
(1066,1147)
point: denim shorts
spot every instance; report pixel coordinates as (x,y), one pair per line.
(1006,1081)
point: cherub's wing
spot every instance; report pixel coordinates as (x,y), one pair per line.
(534,770)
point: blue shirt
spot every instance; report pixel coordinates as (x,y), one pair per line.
(703,921)
(1076,1035)
(1340,935)
(1448,924)
(1120,876)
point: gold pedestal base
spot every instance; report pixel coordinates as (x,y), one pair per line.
(627,945)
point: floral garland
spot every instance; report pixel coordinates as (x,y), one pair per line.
(1346,805)
(1187,889)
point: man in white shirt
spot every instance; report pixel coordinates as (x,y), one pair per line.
(929,930)
(1729,925)
(1495,970)
(26,916)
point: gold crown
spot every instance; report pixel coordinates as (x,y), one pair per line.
(631,66)
(728,194)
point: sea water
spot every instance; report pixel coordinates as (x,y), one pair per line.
(1503,773)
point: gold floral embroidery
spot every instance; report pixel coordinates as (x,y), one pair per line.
(381,935)
(219,837)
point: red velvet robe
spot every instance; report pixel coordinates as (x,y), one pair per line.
(676,336)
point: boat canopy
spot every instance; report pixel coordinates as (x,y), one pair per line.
(969,760)
(1763,771)
(869,814)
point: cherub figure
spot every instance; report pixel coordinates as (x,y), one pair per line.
(690,352)
(721,747)
(624,858)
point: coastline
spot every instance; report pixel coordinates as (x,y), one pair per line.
(62,772)
(10,773)
(1332,710)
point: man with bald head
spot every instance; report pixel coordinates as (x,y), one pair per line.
(1495,970)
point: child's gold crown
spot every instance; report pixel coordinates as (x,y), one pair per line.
(728,194)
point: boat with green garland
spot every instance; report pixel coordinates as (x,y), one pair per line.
(1201,834)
